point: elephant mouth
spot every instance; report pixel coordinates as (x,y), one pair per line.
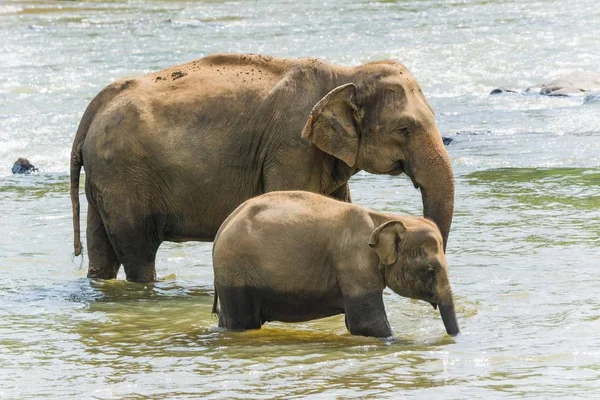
(400,167)
(397,168)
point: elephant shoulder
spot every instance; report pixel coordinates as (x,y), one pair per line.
(305,76)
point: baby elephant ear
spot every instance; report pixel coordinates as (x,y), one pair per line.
(331,124)
(385,239)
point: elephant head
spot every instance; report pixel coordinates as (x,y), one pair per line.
(415,265)
(381,123)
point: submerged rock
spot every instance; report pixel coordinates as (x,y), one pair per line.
(571,85)
(473,133)
(502,90)
(23,166)
(593,98)
(458,134)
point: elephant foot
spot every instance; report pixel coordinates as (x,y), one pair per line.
(365,316)
(141,275)
(101,273)
(239,308)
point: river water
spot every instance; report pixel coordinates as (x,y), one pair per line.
(524,250)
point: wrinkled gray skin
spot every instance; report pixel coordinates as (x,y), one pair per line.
(296,256)
(23,166)
(169,155)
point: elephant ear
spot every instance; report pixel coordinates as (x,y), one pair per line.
(332,126)
(385,239)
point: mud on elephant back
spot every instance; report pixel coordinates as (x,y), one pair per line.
(169,155)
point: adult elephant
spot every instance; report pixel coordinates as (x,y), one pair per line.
(169,155)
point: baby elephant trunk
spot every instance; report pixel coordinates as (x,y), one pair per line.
(448,314)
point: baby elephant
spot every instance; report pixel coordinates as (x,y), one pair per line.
(298,256)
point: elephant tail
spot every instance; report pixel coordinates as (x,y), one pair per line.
(75,173)
(215,309)
(76,163)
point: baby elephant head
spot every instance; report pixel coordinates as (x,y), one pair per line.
(415,264)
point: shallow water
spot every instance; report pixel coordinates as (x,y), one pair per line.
(524,248)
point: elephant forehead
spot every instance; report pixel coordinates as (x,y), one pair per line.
(424,236)
(395,104)
(402,83)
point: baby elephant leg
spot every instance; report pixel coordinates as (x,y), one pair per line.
(240,308)
(365,316)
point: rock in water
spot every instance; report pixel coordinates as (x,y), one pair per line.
(569,85)
(593,98)
(502,90)
(23,166)
(447,140)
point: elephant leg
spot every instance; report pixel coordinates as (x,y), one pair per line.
(239,309)
(140,267)
(136,247)
(365,316)
(104,263)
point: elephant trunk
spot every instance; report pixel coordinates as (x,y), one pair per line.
(439,208)
(448,314)
(436,182)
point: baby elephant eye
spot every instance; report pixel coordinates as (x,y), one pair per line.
(431,272)
(427,274)
(404,131)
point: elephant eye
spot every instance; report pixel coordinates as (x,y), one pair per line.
(427,274)
(431,272)
(403,131)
